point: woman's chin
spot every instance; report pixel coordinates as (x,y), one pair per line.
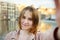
(25,28)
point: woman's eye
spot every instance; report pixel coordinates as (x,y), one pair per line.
(30,19)
(23,17)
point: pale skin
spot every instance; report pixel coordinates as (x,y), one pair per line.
(26,20)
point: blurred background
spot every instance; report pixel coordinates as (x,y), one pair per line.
(10,10)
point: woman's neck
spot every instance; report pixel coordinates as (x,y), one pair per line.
(24,31)
(26,35)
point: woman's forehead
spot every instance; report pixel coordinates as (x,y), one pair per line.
(27,13)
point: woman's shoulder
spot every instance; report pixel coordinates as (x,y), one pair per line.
(45,35)
(40,36)
(40,33)
(49,34)
(10,35)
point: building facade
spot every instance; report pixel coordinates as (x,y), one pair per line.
(8,17)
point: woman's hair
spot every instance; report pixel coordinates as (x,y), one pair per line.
(35,18)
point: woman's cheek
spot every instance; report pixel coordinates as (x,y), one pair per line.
(31,23)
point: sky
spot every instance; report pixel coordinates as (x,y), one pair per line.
(36,3)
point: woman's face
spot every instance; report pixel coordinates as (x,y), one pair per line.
(26,20)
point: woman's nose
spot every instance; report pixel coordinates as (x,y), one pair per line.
(26,20)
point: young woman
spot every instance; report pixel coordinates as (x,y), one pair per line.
(28,22)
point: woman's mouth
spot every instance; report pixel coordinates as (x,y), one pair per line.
(25,24)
